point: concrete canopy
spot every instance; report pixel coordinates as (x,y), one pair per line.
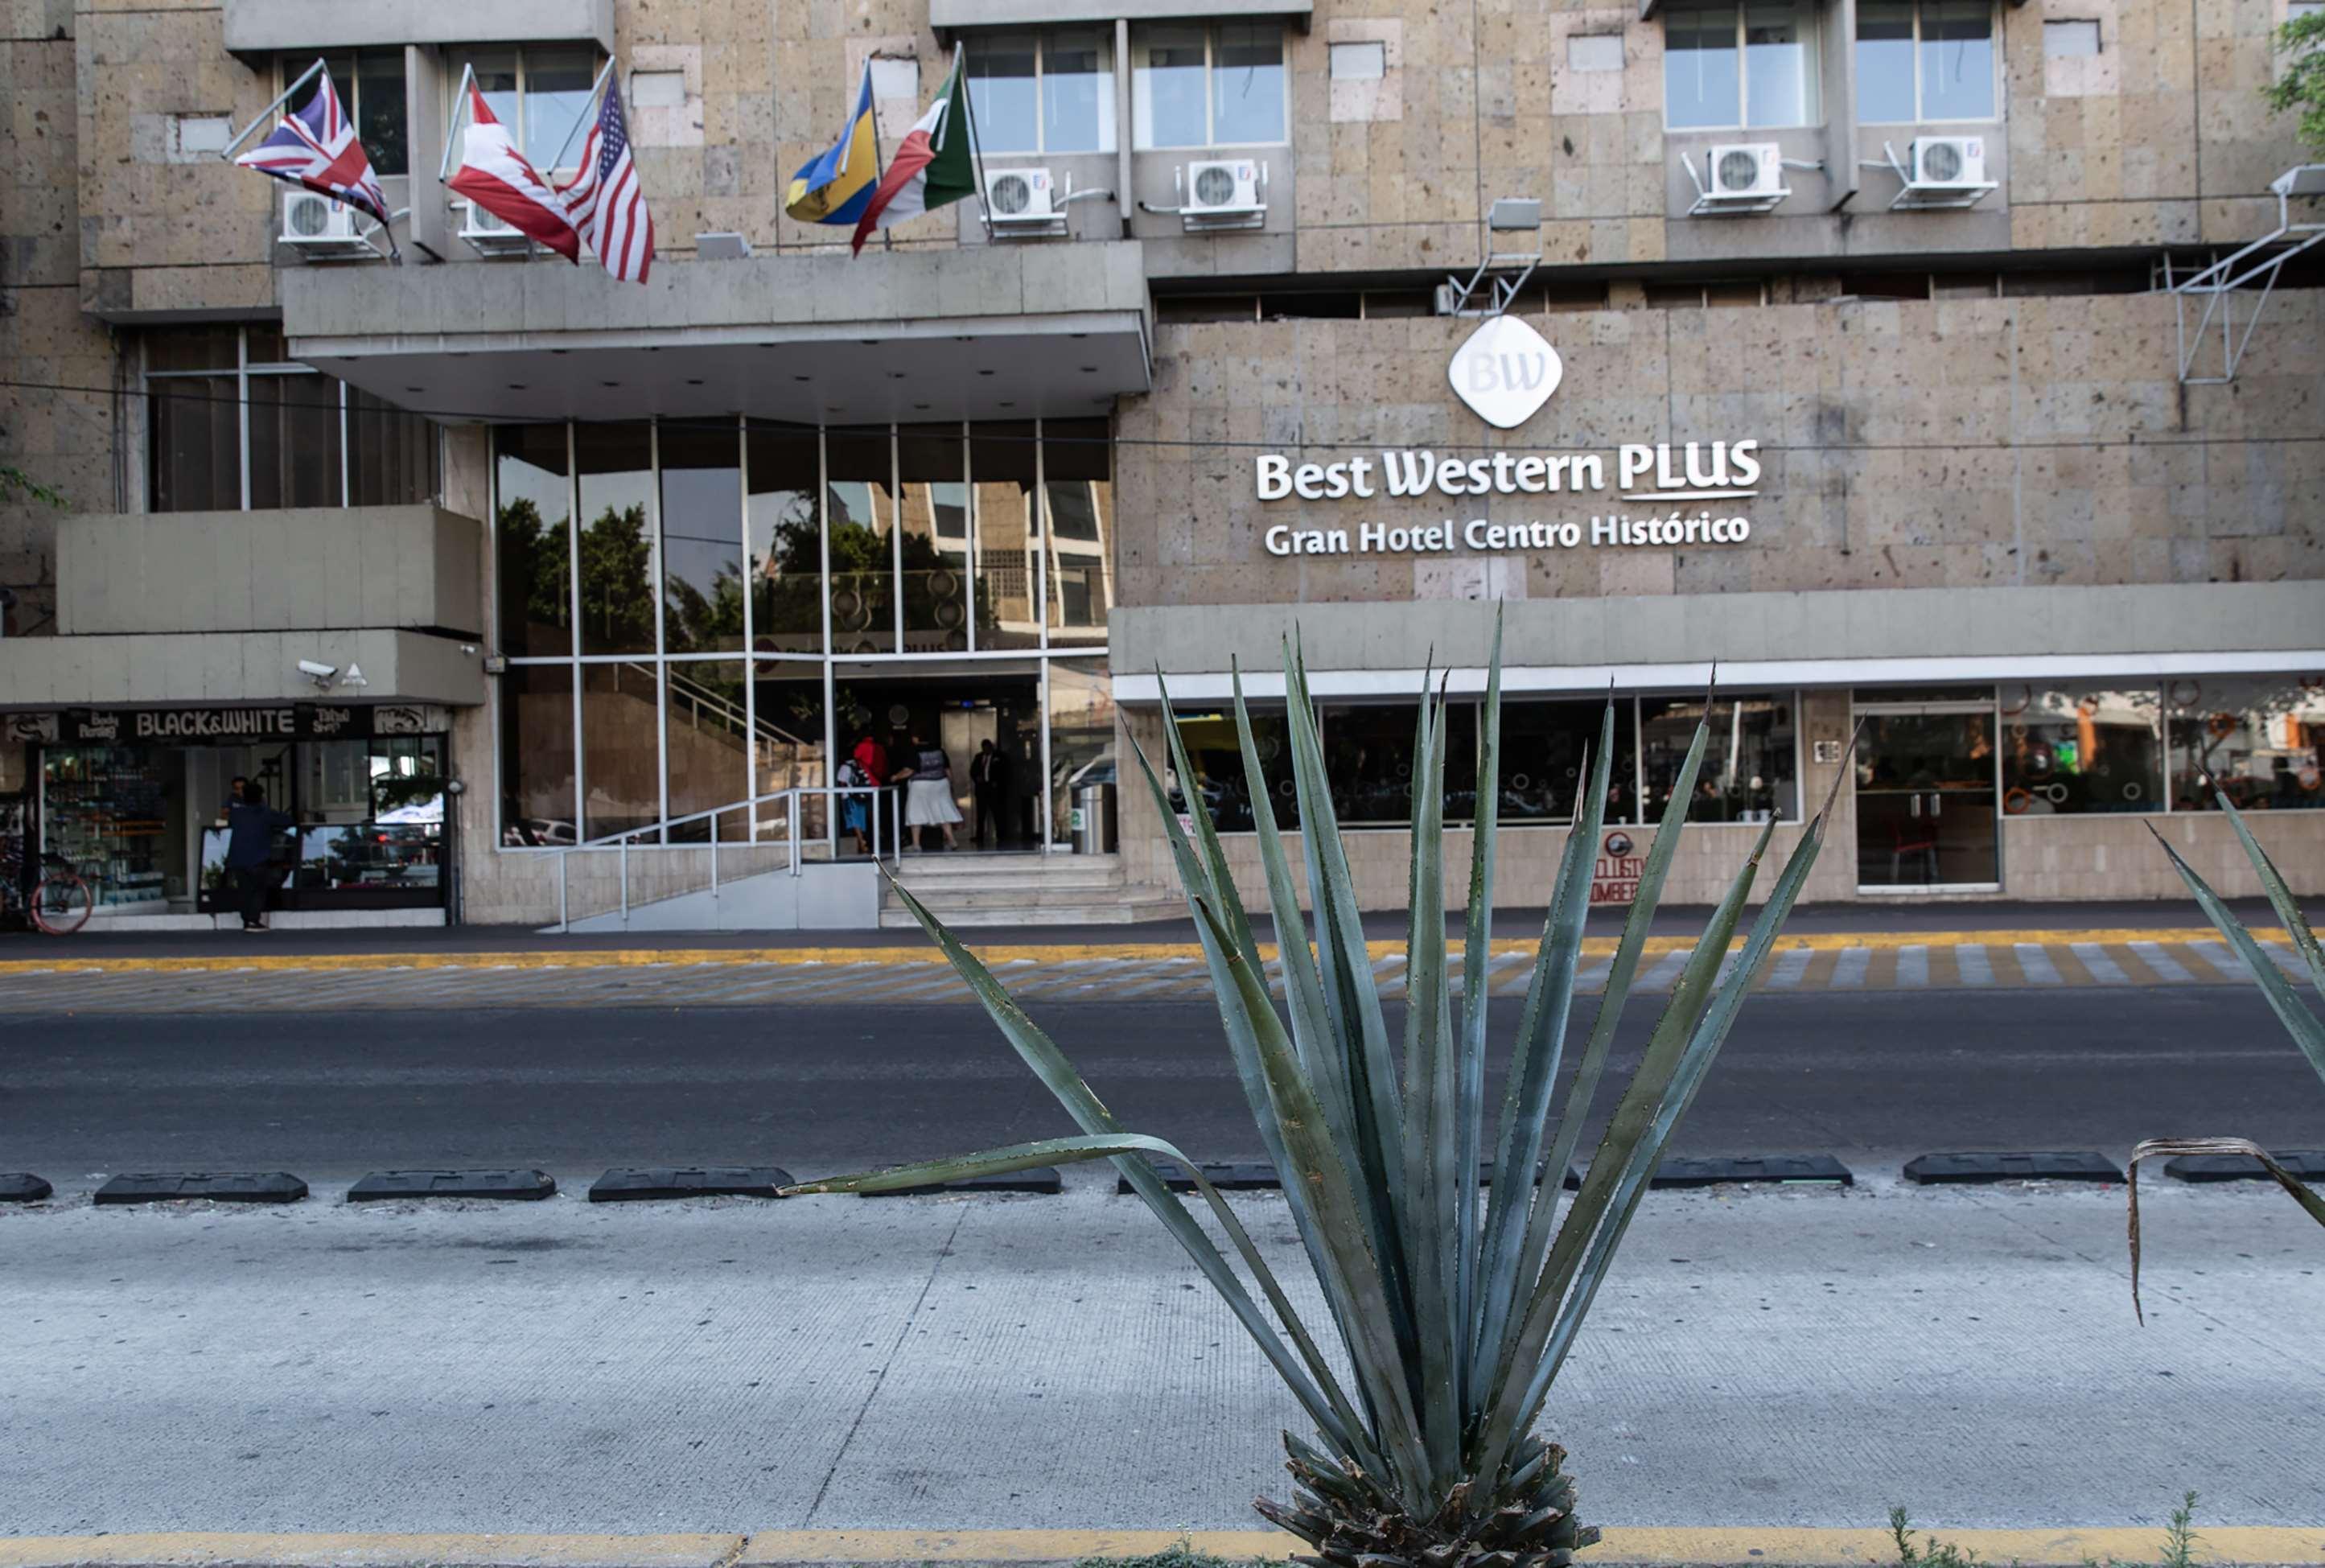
(997,333)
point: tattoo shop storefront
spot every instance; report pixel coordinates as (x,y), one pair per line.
(135,799)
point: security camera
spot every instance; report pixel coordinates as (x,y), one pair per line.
(320,673)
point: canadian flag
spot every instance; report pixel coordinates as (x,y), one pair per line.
(496,176)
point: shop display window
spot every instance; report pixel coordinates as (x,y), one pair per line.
(1216,752)
(2080,751)
(1545,749)
(2260,741)
(1747,770)
(109,812)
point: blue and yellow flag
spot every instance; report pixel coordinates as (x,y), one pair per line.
(836,187)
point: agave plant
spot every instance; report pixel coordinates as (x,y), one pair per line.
(2307,1030)
(1455,1292)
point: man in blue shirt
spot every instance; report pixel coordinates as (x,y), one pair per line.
(251,827)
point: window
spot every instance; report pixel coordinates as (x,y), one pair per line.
(1750,66)
(1215,751)
(232,426)
(2260,741)
(1546,747)
(370,83)
(2070,40)
(1747,774)
(1364,61)
(1198,86)
(1043,92)
(1594,52)
(540,94)
(2080,752)
(1920,60)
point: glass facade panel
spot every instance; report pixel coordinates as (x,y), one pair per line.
(1209,737)
(1702,86)
(537,755)
(785,541)
(790,698)
(2260,741)
(701,539)
(533,502)
(390,454)
(1780,79)
(1004,92)
(194,445)
(295,441)
(1167,94)
(1081,738)
(1545,749)
(708,739)
(860,518)
(1008,564)
(932,470)
(1247,84)
(1956,60)
(497,80)
(621,750)
(1078,485)
(2080,751)
(1884,62)
(1747,770)
(214,347)
(1077,92)
(617,537)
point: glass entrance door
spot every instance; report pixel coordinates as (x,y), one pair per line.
(1925,798)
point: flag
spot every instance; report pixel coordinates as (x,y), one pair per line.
(931,168)
(835,187)
(496,176)
(605,199)
(317,148)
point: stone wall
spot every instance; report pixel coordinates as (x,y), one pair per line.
(1955,443)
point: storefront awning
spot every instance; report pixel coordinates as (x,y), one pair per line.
(1002,332)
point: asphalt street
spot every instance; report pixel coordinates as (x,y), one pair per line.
(1873,1077)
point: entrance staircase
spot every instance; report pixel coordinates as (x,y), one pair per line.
(965,889)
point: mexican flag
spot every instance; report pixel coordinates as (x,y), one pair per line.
(932,168)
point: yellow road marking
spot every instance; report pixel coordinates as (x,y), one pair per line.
(1654,1547)
(1015,953)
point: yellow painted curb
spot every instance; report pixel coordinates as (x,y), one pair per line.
(1001,953)
(1652,1547)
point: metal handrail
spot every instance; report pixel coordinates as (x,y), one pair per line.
(620,843)
(699,698)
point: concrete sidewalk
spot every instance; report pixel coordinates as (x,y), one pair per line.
(1761,1359)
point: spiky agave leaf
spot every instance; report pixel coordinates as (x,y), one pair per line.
(1453,1330)
(2307,1031)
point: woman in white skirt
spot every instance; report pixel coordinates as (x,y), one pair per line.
(928,791)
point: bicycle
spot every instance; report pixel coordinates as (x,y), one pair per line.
(59,903)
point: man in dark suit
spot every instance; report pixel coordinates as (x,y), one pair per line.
(988,780)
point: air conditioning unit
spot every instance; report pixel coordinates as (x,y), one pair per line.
(315,222)
(490,233)
(1024,202)
(1948,162)
(1225,193)
(1746,171)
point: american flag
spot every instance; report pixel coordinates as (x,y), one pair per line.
(605,199)
(316,147)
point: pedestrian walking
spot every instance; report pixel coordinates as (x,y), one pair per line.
(988,782)
(855,810)
(251,826)
(928,797)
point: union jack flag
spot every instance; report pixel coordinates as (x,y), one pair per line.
(607,202)
(316,147)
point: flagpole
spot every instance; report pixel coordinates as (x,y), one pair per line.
(879,159)
(976,156)
(304,77)
(595,88)
(459,107)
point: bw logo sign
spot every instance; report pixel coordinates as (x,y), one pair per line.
(1506,372)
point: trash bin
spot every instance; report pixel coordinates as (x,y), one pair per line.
(1094,827)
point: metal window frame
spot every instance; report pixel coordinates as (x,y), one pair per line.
(1809,15)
